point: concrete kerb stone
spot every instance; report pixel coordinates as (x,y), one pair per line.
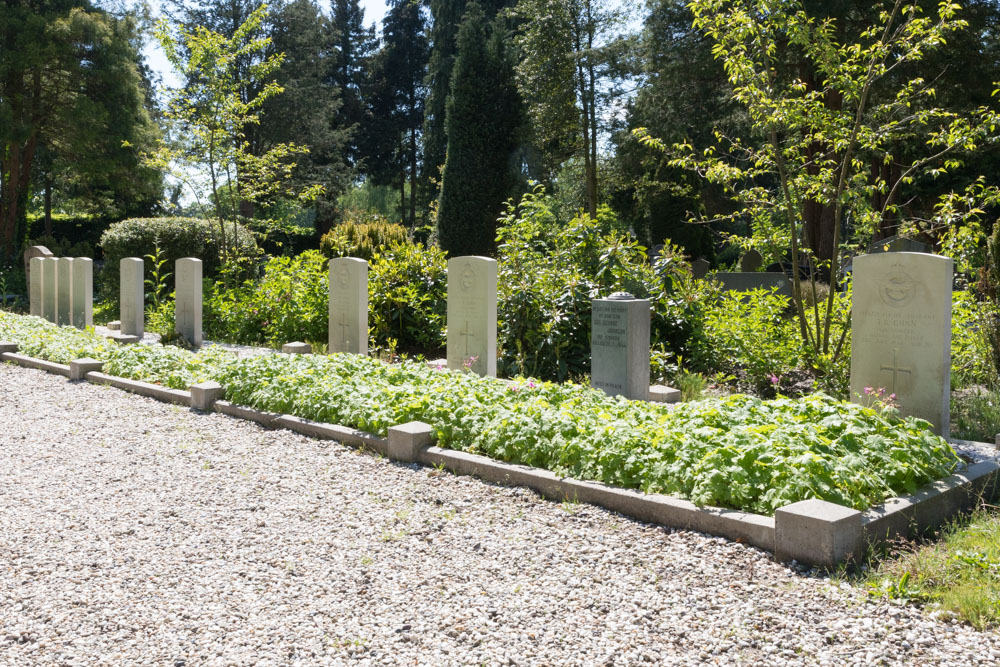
(160,393)
(8,347)
(817,532)
(297,348)
(265,419)
(38,364)
(342,434)
(406,441)
(659,393)
(79,368)
(204,395)
(542,481)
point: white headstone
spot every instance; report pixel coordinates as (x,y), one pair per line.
(901,333)
(132,297)
(35,290)
(348,305)
(187,303)
(619,346)
(472,314)
(49,294)
(64,291)
(82,293)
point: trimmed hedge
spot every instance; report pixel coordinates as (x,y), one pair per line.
(69,233)
(176,237)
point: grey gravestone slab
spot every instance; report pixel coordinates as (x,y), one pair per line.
(82,293)
(472,314)
(700,267)
(348,306)
(751,261)
(898,244)
(187,303)
(49,295)
(64,291)
(901,332)
(132,297)
(619,346)
(744,282)
(35,290)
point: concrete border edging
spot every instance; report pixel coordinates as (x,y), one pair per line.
(265,419)
(175,396)
(38,364)
(343,434)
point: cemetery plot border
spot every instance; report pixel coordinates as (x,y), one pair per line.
(813,532)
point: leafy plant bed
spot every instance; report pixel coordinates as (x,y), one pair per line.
(737,452)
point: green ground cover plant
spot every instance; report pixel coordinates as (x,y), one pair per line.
(959,572)
(737,451)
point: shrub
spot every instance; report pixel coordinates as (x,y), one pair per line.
(971,354)
(69,231)
(63,247)
(363,239)
(289,302)
(408,298)
(176,238)
(550,271)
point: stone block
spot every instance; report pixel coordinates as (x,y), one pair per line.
(297,348)
(407,440)
(6,346)
(64,291)
(817,532)
(115,325)
(205,394)
(79,368)
(124,339)
(659,393)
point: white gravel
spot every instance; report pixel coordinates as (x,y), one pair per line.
(133,532)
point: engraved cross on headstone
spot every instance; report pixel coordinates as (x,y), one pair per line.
(344,326)
(466,335)
(895,368)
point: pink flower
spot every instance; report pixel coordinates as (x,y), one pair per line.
(774,379)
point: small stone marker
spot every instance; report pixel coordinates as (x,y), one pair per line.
(49,294)
(115,325)
(64,290)
(348,306)
(472,314)
(35,251)
(700,267)
(901,332)
(132,297)
(297,348)
(82,293)
(659,393)
(35,291)
(187,302)
(619,346)
(751,261)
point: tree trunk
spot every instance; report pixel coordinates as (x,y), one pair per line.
(48,206)
(413,178)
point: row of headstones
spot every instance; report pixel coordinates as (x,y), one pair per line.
(61,289)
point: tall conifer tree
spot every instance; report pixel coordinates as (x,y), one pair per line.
(483,117)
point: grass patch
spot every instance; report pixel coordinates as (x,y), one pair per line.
(959,573)
(975,414)
(736,451)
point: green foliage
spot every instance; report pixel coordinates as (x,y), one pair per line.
(369,235)
(738,452)
(288,303)
(76,232)
(408,298)
(975,414)
(62,247)
(550,271)
(176,238)
(971,356)
(484,115)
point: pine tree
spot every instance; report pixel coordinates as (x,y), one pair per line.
(354,46)
(483,118)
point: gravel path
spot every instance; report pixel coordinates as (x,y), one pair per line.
(133,532)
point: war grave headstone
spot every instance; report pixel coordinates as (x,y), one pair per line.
(35,291)
(619,346)
(472,314)
(33,267)
(132,297)
(82,293)
(49,295)
(901,333)
(348,306)
(64,286)
(187,304)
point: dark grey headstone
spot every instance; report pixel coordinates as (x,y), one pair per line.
(619,346)
(751,261)
(700,267)
(744,282)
